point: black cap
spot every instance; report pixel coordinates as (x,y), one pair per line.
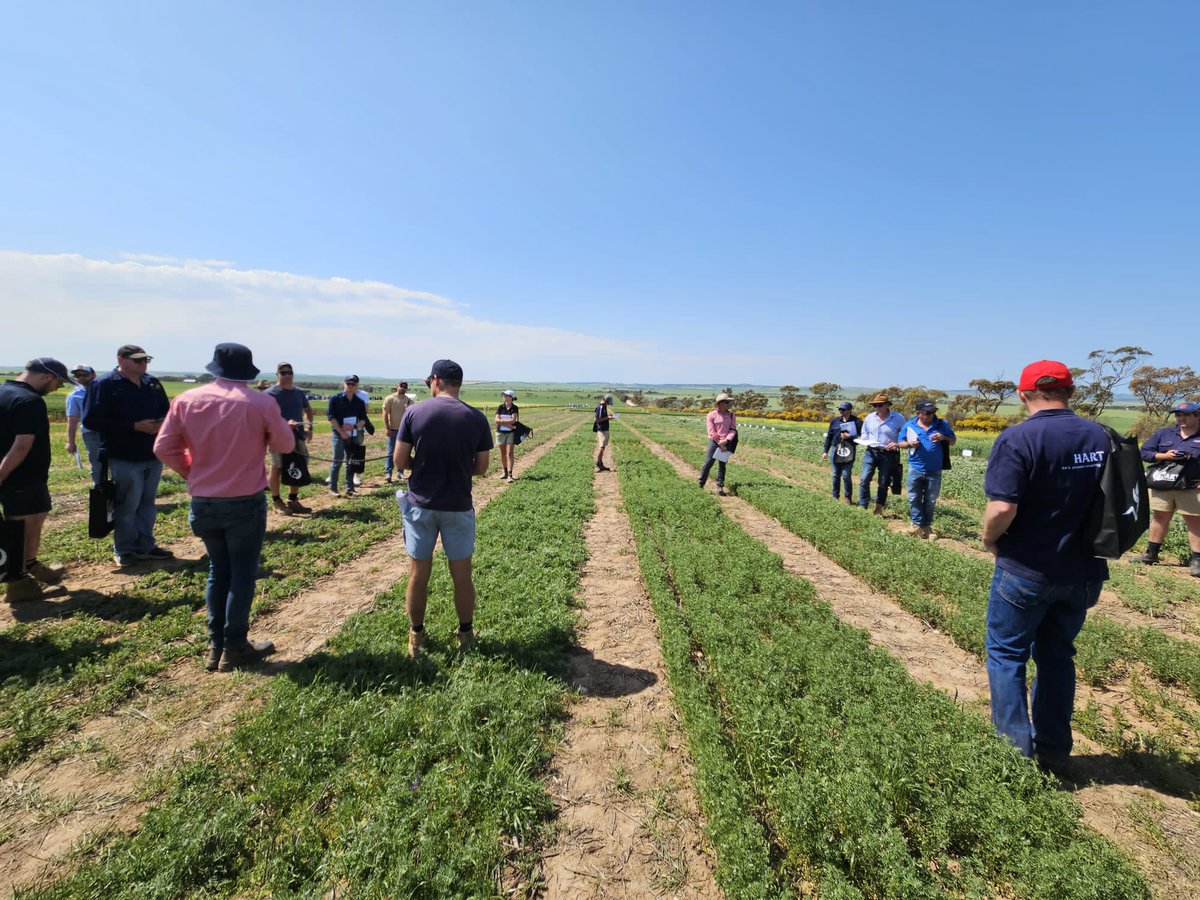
(846,405)
(926,406)
(48,365)
(447,370)
(351,378)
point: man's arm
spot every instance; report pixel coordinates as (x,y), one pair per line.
(171,444)
(481,461)
(72,427)
(998,515)
(16,454)
(402,456)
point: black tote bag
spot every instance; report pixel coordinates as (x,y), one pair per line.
(102,505)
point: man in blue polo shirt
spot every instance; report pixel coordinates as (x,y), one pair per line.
(924,437)
(1041,479)
(126,407)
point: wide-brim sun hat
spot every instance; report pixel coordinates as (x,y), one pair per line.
(233,362)
(724,398)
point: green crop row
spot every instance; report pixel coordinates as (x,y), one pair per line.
(818,757)
(103,648)
(374,774)
(1140,588)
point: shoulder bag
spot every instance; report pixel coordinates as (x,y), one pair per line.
(1167,476)
(102,505)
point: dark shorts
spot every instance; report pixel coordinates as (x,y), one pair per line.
(24,499)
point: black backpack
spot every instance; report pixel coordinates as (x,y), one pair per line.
(1120,512)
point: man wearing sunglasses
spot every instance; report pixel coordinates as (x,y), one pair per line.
(126,407)
(25,466)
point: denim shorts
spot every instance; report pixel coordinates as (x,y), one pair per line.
(422,526)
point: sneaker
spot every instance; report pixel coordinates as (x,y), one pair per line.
(23,589)
(124,560)
(156,553)
(213,660)
(351,492)
(416,643)
(388,477)
(334,492)
(466,641)
(1194,568)
(721,492)
(46,574)
(253,652)
(503,475)
(1147,558)
(280,507)
(700,482)
(296,506)
(357,481)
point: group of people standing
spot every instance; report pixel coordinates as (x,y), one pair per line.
(883,434)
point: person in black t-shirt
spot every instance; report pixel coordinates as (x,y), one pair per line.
(507,416)
(25,466)
(603,417)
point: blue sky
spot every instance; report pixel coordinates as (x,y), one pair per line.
(869,193)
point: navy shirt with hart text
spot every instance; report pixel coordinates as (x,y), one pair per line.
(1049,466)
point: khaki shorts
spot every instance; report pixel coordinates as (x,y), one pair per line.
(301,448)
(602,439)
(1187,502)
(506,437)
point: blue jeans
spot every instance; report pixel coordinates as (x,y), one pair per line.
(1027,618)
(339,456)
(136,484)
(879,463)
(91,441)
(841,479)
(389,465)
(923,490)
(232,530)
(708,464)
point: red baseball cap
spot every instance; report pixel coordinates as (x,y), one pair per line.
(1045,368)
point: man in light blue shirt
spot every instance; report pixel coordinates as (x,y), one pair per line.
(83,375)
(881,433)
(924,437)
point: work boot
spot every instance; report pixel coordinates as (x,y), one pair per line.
(213,659)
(23,589)
(280,507)
(927,534)
(237,657)
(915,531)
(1149,558)
(295,506)
(466,641)
(721,492)
(46,574)
(878,509)
(848,501)
(416,643)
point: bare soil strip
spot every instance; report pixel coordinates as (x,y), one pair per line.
(1158,829)
(102,777)
(630,823)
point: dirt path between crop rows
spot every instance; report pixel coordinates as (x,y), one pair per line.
(622,779)
(1157,829)
(103,777)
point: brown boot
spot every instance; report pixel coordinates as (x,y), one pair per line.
(280,507)
(23,589)
(46,573)
(237,657)
(416,643)
(878,509)
(213,660)
(847,501)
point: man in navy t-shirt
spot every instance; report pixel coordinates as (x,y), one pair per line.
(1041,479)
(445,442)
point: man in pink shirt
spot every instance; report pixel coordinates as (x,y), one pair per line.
(216,436)
(722,437)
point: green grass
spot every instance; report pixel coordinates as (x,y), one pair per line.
(374,774)
(817,756)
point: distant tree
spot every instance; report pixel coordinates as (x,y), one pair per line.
(666,402)
(1106,370)
(904,399)
(993,393)
(1160,388)
(790,397)
(750,399)
(824,393)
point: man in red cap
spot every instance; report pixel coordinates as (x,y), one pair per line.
(1041,478)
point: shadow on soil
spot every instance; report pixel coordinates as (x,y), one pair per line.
(598,678)
(63,604)
(1168,774)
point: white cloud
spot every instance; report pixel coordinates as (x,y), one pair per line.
(82,309)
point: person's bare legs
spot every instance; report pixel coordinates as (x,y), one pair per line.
(416,594)
(33,533)
(1159,525)
(464,589)
(1193,530)
(273,479)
